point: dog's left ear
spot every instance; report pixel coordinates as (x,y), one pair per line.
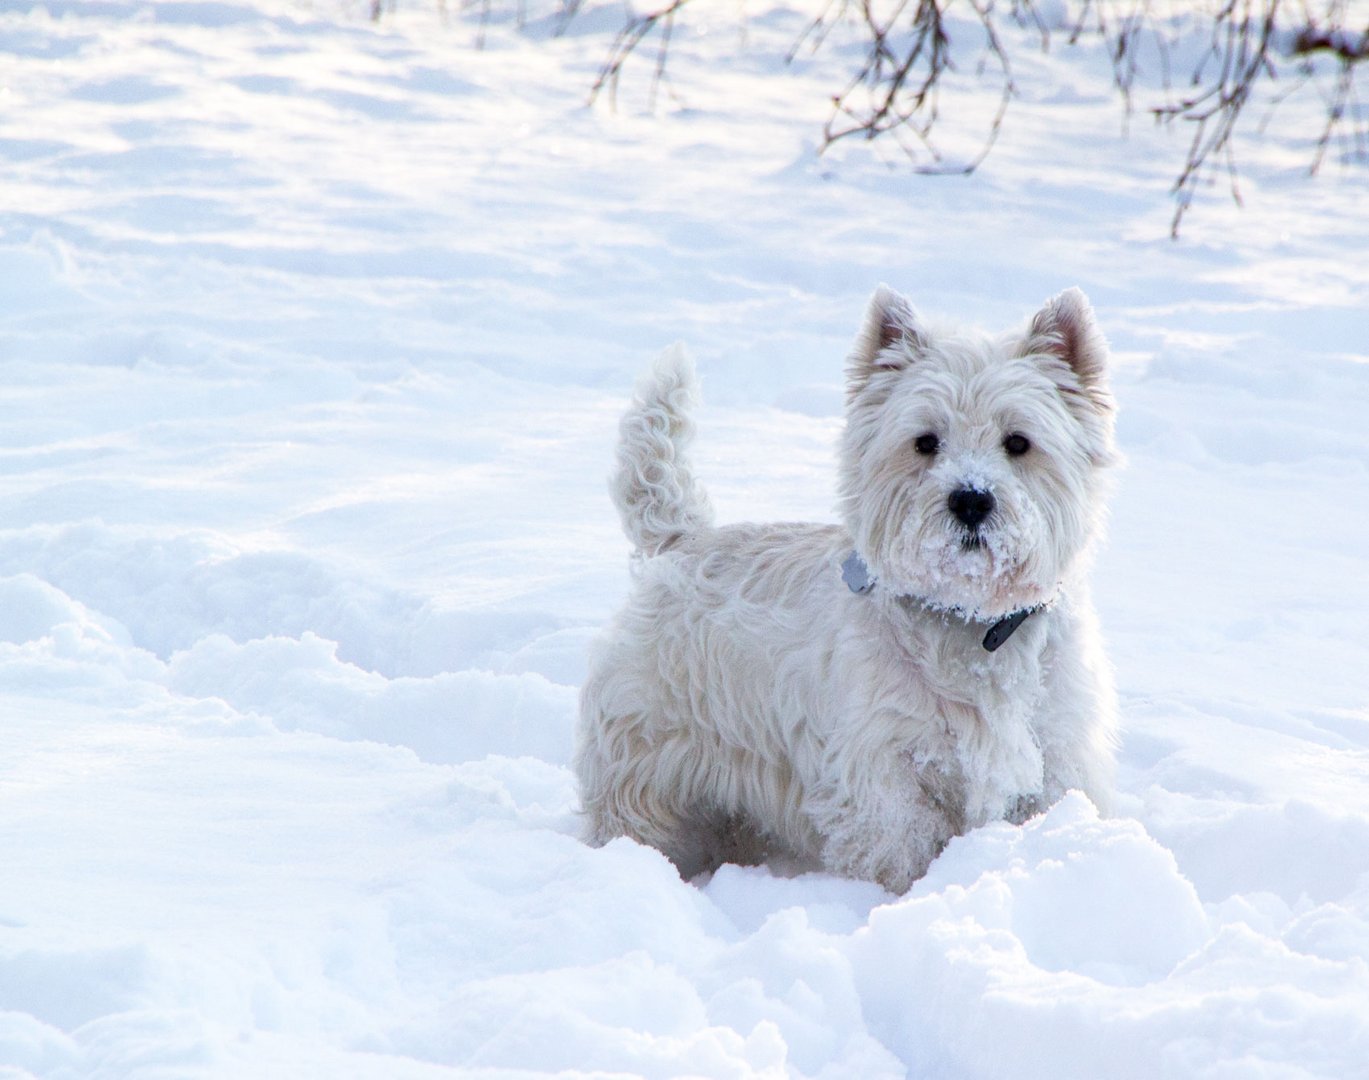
(1065,328)
(889,339)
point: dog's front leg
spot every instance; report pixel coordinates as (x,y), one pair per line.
(888,824)
(1077,724)
(1026,807)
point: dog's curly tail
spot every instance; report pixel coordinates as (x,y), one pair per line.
(653,486)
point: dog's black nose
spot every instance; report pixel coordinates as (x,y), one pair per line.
(970,506)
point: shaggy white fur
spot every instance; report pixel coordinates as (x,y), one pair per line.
(747,705)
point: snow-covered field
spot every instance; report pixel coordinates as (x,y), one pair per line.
(314,334)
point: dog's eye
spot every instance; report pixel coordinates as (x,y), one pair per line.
(1016,444)
(928,444)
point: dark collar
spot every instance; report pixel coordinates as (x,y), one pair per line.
(858,579)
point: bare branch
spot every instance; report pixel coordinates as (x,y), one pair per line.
(1340,42)
(915,55)
(1242,46)
(898,84)
(817,30)
(629,37)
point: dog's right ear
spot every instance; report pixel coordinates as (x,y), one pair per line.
(890,338)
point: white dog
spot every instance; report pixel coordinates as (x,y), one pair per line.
(852,696)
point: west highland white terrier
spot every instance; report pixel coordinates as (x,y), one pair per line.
(852,696)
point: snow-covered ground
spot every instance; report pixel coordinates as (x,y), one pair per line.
(314,334)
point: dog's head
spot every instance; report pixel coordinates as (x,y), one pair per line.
(970,464)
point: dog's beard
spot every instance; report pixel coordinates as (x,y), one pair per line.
(982,573)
